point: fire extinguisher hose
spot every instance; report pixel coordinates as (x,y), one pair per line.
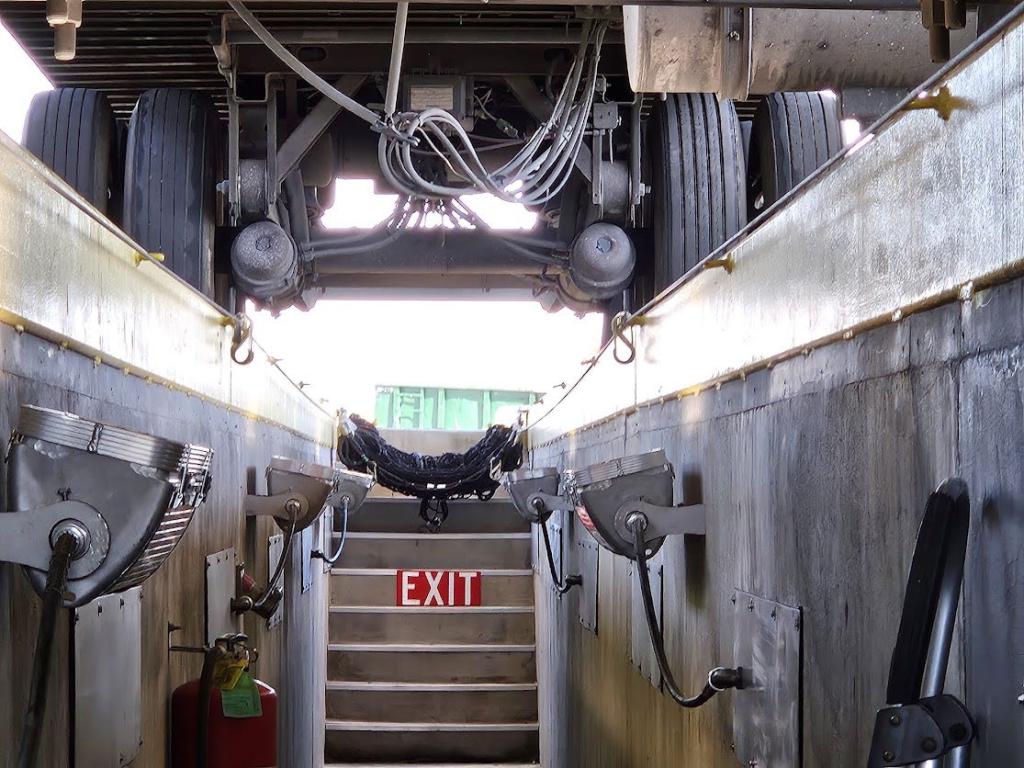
(53,599)
(210,659)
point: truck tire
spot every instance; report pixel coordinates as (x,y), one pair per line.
(72,130)
(698,187)
(793,135)
(170,196)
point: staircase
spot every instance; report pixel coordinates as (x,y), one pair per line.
(415,685)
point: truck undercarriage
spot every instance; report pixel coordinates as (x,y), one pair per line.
(643,136)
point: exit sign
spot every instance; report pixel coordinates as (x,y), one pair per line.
(439,589)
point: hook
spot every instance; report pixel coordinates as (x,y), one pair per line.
(242,324)
(620,323)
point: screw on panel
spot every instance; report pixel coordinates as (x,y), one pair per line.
(888,755)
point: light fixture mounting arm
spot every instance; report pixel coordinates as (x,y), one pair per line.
(27,537)
(660,521)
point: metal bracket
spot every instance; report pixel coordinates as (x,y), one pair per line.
(283,505)
(688,519)
(27,537)
(545,504)
(915,733)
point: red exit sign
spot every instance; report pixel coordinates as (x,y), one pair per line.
(437,588)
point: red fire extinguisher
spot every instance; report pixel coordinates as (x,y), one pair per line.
(239,726)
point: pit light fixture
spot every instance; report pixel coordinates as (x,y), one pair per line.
(297,494)
(626,504)
(349,495)
(534,493)
(94,509)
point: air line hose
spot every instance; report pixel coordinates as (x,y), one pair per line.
(719,679)
(572,580)
(53,599)
(344,535)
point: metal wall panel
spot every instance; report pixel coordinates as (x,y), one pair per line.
(71,276)
(641,649)
(814,475)
(108,680)
(33,370)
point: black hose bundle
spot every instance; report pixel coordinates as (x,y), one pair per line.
(434,479)
(53,600)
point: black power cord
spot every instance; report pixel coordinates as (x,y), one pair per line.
(572,580)
(719,679)
(53,598)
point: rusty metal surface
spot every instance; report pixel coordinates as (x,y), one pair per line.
(70,276)
(854,248)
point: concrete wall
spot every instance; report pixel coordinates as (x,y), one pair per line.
(292,656)
(814,474)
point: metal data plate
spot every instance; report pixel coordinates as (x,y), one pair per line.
(766,714)
(108,696)
(275,548)
(641,649)
(587,559)
(306,542)
(220,589)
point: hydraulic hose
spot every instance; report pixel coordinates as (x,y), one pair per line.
(719,679)
(572,580)
(53,598)
(344,534)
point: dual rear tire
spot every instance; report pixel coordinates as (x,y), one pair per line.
(161,188)
(703,190)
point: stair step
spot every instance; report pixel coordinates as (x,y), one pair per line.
(391,624)
(435,703)
(376,586)
(352,740)
(492,663)
(445,550)
(403,514)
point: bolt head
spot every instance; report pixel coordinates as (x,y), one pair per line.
(895,720)
(888,755)
(928,744)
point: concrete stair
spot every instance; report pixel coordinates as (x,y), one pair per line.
(432,685)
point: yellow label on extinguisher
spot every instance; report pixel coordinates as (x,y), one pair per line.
(227,672)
